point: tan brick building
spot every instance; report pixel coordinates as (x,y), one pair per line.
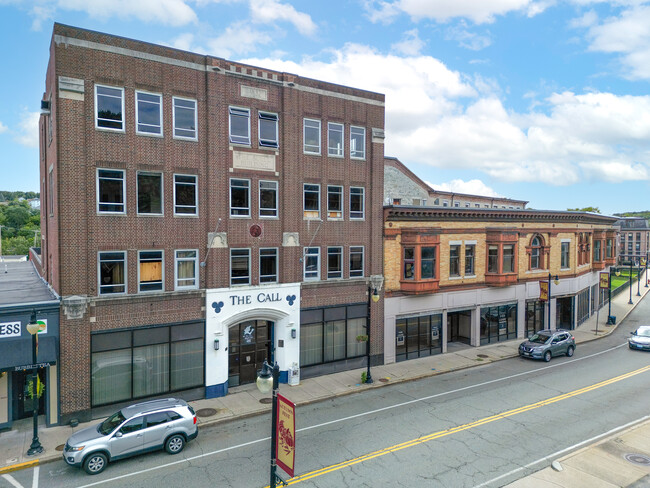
(201,215)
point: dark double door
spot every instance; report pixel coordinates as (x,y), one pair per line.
(249,344)
(21,385)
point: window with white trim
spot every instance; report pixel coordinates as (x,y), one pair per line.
(334,202)
(268,198)
(268,129)
(335,139)
(334,262)
(311,201)
(311,136)
(111,191)
(186,267)
(112,272)
(240,125)
(269,265)
(357,203)
(150,271)
(148,113)
(240,202)
(311,266)
(356,261)
(109,108)
(186,195)
(357,142)
(565,253)
(185,118)
(240,266)
(150,193)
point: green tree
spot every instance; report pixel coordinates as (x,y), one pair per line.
(16,246)
(586,209)
(17,215)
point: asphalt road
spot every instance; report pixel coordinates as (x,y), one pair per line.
(472,428)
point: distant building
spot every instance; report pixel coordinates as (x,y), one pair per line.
(634,235)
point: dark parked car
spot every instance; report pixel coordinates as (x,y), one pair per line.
(546,344)
(640,338)
(139,428)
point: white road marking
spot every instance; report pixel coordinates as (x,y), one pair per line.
(35,478)
(11,480)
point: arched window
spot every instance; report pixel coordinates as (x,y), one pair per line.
(536,253)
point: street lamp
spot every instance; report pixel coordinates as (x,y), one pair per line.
(638,278)
(556,280)
(630,283)
(268,379)
(374,286)
(646,270)
(33,328)
(611,320)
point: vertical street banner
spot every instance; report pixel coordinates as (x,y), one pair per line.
(604,280)
(286,435)
(543,290)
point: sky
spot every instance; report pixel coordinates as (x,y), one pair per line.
(539,100)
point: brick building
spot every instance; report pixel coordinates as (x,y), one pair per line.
(634,238)
(199,216)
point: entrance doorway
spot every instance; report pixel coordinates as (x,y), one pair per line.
(249,344)
(459,326)
(21,385)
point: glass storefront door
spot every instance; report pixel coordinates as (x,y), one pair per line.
(417,337)
(459,326)
(249,345)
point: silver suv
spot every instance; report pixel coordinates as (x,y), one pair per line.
(547,344)
(139,428)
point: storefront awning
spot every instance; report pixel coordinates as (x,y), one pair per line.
(15,354)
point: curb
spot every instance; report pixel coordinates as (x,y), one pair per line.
(17,467)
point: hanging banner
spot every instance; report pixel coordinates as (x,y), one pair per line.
(604,280)
(286,435)
(543,290)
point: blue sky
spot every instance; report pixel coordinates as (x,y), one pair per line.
(539,100)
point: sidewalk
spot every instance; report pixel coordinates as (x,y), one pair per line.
(245,401)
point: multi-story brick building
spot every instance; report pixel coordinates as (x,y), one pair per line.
(472,275)
(634,238)
(200,216)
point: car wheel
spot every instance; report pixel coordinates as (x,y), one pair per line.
(175,444)
(95,463)
(569,351)
(547,356)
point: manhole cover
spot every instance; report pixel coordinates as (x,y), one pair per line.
(383,380)
(639,459)
(482,356)
(59,447)
(206,412)
(266,400)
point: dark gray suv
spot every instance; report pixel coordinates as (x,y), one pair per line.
(139,428)
(546,344)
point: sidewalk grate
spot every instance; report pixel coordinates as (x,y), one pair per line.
(639,459)
(266,400)
(206,412)
(59,447)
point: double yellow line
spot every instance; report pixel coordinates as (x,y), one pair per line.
(460,428)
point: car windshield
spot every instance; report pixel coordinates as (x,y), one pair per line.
(540,338)
(645,332)
(108,425)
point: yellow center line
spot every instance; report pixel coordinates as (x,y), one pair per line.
(460,428)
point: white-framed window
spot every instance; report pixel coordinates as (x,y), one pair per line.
(311,136)
(565,254)
(268,129)
(186,196)
(240,125)
(111,272)
(186,266)
(311,201)
(334,262)
(185,118)
(269,265)
(357,142)
(335,139)
(268,198)
(357,203)
(334,202)
(111,191)
(240,197)
(312,263)
(149,193)
(148,114)
(356,261)
(109,108)
(240,266)
(151,271)
(445,203)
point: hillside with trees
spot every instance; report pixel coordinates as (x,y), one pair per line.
(20,223)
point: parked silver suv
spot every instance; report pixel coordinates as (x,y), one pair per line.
(547,344)
(139,428)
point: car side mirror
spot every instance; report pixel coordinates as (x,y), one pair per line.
(633,332)
(118,434)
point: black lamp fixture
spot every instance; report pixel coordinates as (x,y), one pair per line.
(374,287)
(33,328)
(268,379)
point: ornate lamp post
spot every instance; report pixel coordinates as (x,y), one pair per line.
(33,328)
(630,283)
(638,278)
(646,270)
(556,280)
(268,379)
(610,320)
(374,286)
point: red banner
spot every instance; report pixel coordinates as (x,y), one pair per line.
(543,290)
(604,279)
(286,435)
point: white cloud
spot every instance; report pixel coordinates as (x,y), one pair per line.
(3,128)
(467,39)
(237,40)
(268,11)
(28,129)
(471,187)
(410,45)
(478,11)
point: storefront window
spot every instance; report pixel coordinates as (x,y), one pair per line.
(417,337)
(535,316)
(498,323)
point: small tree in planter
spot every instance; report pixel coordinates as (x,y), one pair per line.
(362,338)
